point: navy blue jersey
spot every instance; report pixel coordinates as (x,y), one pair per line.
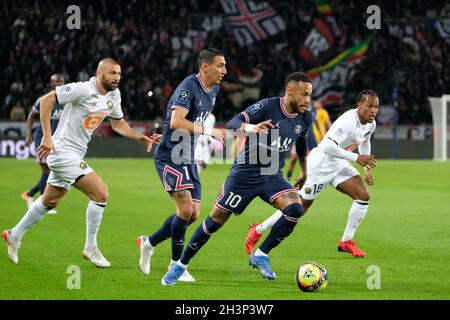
(54,120)
(276,144)
(191,95)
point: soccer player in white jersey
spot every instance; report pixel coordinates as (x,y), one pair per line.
(202,152)
(329,164)
(87,105)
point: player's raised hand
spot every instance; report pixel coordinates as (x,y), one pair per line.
(147,141)
(367,161)
(156,137)
(264,126)
(45,147)
(218,134)
(300,182)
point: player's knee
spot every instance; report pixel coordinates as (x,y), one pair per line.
(364,195)
(101,195)
(294,210)
(186,212)
(195,215)
(50,203)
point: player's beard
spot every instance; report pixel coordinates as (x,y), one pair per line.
(108,86)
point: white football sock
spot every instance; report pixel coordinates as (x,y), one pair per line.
(94,213)
(147,245)
(260,253)
(356,215)
(35,213)
(269,222)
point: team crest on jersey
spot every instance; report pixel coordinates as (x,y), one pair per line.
(83,165)
(68,89)
(254,108)
(110,104)
(171,182)
(339,132)
(182,97)
(298,129)
(308,190)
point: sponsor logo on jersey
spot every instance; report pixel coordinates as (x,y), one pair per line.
(110,104)
(182,97)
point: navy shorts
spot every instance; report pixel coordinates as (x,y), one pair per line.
(237,192)
(176,177)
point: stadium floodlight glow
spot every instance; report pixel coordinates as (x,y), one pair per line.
(439,109)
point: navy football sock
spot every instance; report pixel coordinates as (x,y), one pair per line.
(178,232)
(283,227)
(199,238)
(34,190)
(162,233)
(43,182)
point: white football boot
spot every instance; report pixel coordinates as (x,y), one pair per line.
(13,246)
(185,277)
(146,254)
(96,257)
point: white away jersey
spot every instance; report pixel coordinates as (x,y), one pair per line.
(85,110)
(348,133)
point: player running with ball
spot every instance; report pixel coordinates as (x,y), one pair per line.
(329,164)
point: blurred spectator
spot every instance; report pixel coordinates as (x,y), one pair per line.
(18,112)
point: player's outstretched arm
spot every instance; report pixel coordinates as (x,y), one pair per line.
(123,128)
(238,123)
(46,105)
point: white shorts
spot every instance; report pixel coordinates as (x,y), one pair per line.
(65,169)
(202,154)
(317,181)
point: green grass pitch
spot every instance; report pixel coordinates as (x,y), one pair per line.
(405,234)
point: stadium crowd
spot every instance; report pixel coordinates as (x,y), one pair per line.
(408,52)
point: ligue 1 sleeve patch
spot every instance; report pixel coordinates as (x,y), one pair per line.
(67,89)
(254,108)
(339,132)
(182,97)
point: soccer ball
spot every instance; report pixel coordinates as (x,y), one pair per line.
(311,276)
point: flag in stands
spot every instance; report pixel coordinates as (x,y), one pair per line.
(329,81)
(252,21)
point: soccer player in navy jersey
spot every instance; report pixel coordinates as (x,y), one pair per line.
(272,126)
(188,107)
(55,80)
